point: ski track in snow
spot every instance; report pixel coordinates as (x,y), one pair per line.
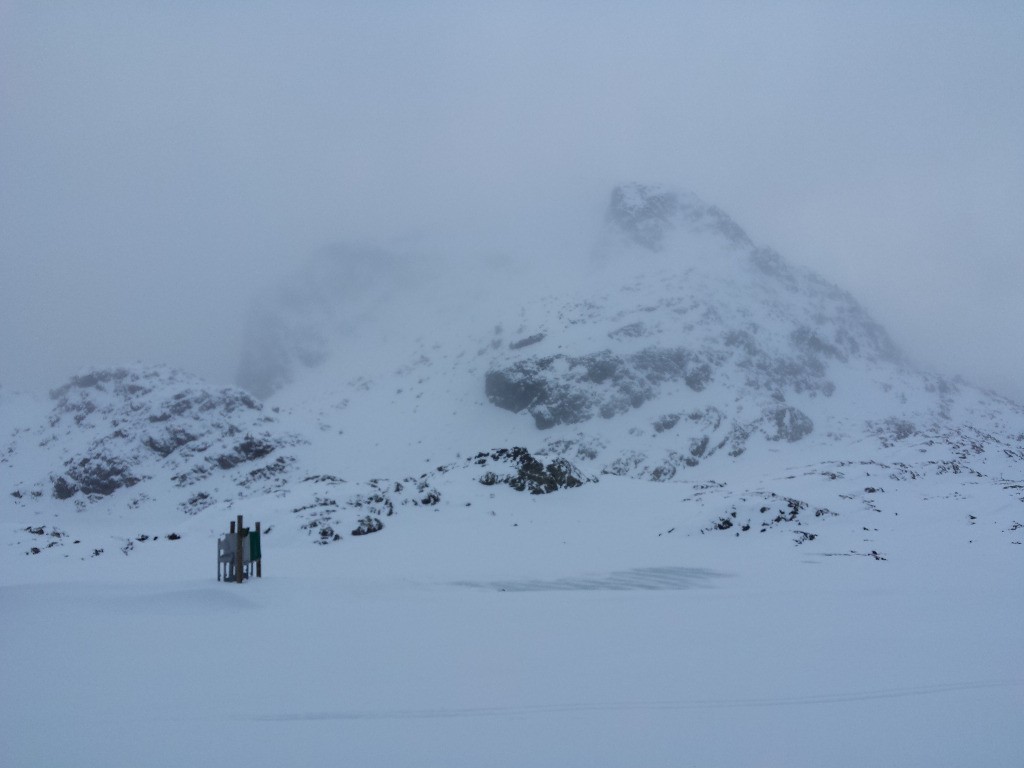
(667,577)
(700,704)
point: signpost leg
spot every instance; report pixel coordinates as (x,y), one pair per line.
(259,561)
(239,554)
(229,568)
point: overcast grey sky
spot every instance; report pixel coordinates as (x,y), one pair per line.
(159,163)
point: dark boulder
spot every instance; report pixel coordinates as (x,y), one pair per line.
(523,472)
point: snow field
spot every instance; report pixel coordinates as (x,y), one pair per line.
(402,649)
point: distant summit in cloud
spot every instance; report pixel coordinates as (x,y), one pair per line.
(647,214)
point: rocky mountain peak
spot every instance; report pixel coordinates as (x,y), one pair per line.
(715,340)
(647,215)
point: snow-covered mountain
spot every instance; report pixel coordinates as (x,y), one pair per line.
(678,351)
(577,509)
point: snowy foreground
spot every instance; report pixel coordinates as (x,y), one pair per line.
(519,631)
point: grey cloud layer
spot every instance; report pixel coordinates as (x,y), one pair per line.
(159,165)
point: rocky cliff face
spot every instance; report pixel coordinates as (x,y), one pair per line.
(112,430)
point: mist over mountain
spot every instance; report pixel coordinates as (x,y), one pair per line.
(293,325)
(676,350)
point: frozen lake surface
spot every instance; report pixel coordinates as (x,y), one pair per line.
(451,642)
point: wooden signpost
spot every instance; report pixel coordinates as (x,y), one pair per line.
(237,552)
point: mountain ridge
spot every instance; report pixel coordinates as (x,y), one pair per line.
(679,353)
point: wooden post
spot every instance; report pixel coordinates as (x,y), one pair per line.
(229,567)
(239,554)
(259,563)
